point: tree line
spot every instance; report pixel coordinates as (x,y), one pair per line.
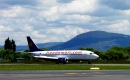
(113,54)
(9,54)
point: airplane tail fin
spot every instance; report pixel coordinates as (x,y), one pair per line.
(32,46)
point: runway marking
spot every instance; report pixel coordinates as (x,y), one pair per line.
(74,73)
(98,73)
(71,73)
(84,73)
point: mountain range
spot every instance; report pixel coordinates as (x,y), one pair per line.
(98,40)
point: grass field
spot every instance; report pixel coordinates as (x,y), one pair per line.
(61,67)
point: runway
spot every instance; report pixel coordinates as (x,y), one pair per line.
(66,75)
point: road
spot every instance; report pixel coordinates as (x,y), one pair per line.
(66,75)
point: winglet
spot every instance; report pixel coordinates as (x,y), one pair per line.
(32,46)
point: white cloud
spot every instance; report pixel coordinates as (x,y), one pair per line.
(79,6)
(50,15)
(76,6)
(14,11)
(47,3)
(119,26)
(126,12)
(4,29)
(61,20)
(117,4)
(65,33)
(4,32)
(77,19)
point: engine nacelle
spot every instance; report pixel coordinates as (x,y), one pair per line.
(62,60)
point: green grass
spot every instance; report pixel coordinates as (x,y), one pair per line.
(43,67)
(114,67)
(59,67)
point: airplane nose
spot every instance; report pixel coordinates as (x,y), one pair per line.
(97,56)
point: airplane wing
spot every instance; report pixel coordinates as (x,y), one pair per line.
(46,57)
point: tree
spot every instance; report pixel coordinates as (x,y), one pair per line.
(116,55)
(27,50)
(103,56)
(87,48)
(118,48)
(10,44)
(44,49)
(7,44)
(90,49)
(13,45)
(7,54)
(127,49)
(2,51)
(97,52)
(82,48)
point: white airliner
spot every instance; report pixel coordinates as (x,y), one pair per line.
(61,56)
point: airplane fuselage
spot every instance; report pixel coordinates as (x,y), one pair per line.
(60,55)
(68,54)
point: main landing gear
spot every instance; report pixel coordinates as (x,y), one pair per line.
(89,61)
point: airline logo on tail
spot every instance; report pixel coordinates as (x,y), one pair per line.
(32,46)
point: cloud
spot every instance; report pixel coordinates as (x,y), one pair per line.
(126,12)
(79,6)
(4,29)
(119,26)
(61,20)
(77,19)
(60,10)
(117,4)
(15,11)
(65,33)
(17,2)
(64,1)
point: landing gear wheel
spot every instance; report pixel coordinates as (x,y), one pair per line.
(57,62)
(64,62)
(89,61)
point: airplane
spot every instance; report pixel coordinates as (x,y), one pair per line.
(60,56)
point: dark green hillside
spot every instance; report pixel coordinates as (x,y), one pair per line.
(99,40)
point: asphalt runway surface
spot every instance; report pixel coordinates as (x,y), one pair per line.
(66,75)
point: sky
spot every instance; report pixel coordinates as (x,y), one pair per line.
(61,20)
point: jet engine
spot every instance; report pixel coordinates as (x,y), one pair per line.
(61,60)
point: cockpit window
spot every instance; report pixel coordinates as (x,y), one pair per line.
(91,53)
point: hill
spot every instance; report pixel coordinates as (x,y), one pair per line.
(98,40)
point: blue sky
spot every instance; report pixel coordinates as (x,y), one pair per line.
(61,20)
